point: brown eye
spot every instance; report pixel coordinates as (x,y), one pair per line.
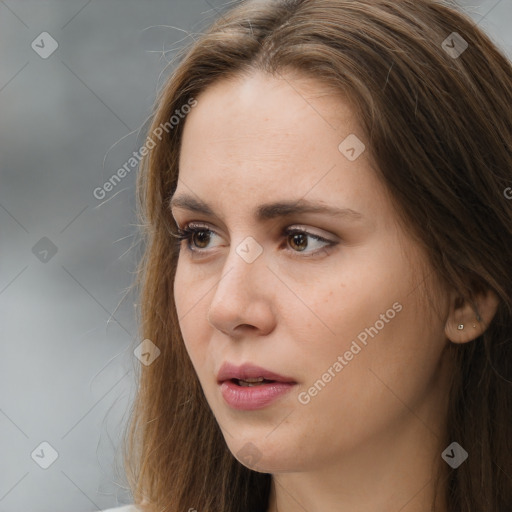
(198,238)
(203,236)
(299,240)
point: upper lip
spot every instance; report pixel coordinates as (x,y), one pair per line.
(229,371)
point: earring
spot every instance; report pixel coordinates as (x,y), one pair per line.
(460,327)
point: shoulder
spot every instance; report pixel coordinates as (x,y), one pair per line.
(125,508)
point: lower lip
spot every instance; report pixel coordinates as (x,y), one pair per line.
(249,398)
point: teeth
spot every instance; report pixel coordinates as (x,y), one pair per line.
(250,382)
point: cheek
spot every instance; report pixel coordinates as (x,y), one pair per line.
(190,293)
(180,290)
(191,308)
(367,315)
(389,353)
(351,298)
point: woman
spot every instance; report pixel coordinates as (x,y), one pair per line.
(326,289)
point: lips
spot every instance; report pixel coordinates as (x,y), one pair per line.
(240,391)
(229,371)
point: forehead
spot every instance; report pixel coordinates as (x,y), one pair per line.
(277,110)
(254,139)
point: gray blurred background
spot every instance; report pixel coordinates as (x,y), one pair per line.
(70,116)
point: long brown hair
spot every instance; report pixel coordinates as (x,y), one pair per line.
(439,127)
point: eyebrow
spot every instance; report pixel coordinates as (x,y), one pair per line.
(270,210)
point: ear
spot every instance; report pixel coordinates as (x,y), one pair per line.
(463,323)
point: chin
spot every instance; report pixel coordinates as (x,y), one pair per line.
(265,455)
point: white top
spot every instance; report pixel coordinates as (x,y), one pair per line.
(125,508)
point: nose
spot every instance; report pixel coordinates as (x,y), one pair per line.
(244,297)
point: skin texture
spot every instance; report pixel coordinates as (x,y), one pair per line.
(369,440)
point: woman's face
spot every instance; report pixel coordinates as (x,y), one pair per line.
(344,316)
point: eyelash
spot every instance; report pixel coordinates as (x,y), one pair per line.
(188,232)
